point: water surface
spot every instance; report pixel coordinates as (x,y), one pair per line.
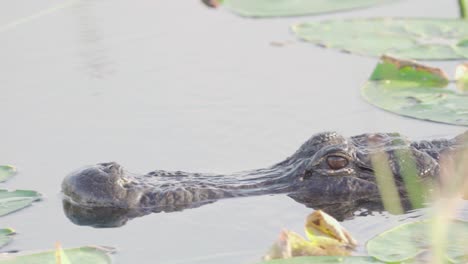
(172,85)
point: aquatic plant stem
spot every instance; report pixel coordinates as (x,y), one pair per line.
(463,9)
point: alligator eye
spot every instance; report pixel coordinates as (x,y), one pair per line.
(337,162)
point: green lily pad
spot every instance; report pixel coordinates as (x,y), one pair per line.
(414,90)
(277,8)
(82,255)
(408,241)
(6,172)
(413,38)
(324,260)
(416,75)
(6,236)
(433,104)
(11,201)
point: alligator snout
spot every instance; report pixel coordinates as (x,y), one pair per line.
(97,185)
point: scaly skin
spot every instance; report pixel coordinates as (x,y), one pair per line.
(327,169)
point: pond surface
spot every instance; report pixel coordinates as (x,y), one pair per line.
(173,85)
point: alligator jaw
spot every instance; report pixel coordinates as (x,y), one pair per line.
(181,190)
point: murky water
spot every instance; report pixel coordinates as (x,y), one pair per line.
(172,85)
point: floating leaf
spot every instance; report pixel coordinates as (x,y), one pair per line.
(408,241)
(431,104)
(82,255)
(327,238)
(291,244)
(324,260)
(417,75)
(6,172)
(6,236)
(11,201)
(414,38)
(276,8)
(461,76)
(416,93)
(321,227)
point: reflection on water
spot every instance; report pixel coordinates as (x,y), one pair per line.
(96,60)
(98,216)
(104,217)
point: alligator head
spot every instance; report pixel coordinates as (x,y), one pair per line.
(326,169)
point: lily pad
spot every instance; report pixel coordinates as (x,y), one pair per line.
(11,201)
(461,76)
(277,8)
(324,260)
(418,94)
(408,241)
(291,244)
(326,238)
(415,74)
(325,230)
(6,172)
(82,255)
(412,38)
(6,236)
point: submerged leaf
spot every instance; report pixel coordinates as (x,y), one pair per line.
(409,241)
(11,201)
(6,172)
(276,8)
(6,236)
(414,38)
(82,255)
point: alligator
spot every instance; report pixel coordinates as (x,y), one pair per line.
(328,169)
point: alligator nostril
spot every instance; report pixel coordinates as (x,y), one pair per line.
(307,175)
(111,167)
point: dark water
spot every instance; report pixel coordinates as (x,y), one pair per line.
(172,85)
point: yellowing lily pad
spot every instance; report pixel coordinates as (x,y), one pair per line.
(409,241)
(412,38)
(82,255)
(6,172)
(321,228)
(414,90)
(324,260)
(291,244)
(11,201)
(326,238)
(277,8)
(461,76)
